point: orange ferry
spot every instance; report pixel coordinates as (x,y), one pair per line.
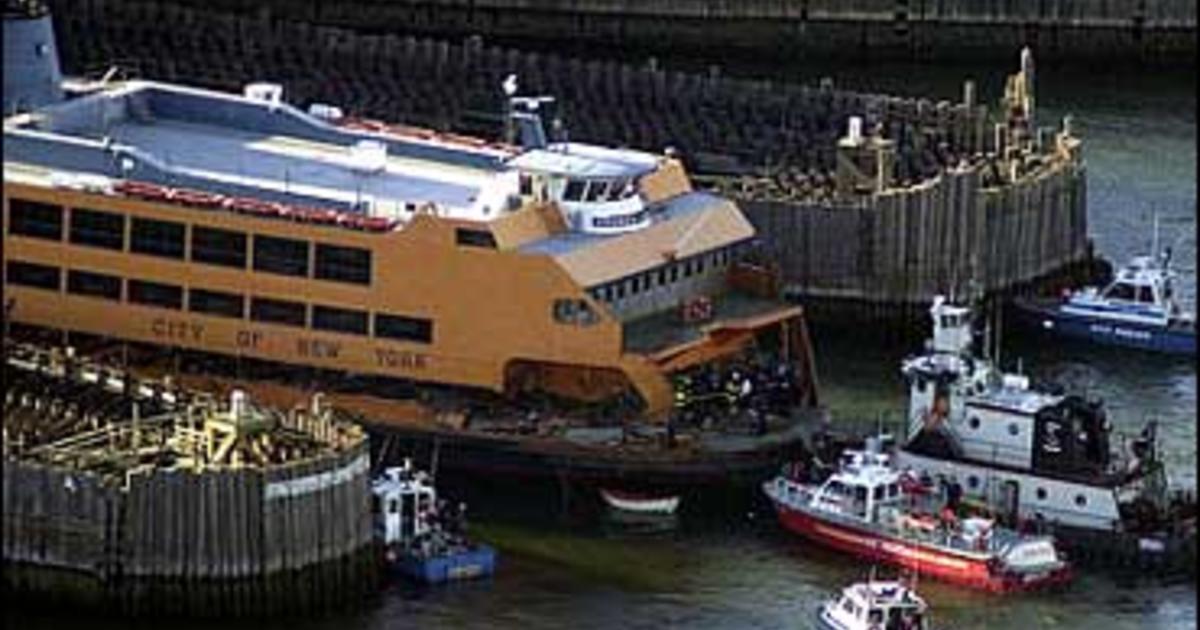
(240,225)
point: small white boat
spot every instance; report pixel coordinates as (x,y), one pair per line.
(641,503)
(875,605)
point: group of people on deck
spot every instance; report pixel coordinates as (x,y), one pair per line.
(756,387)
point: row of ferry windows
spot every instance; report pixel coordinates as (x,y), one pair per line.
(213,246)
(220,303)
(667,274)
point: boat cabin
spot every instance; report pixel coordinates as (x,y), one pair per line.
(884,605)
(402,500)
(1142,290)
(864,482)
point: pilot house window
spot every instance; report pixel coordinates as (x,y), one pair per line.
(283,256)
(97,229)
(574,190)
(156,238)
(573,312)
(34,218)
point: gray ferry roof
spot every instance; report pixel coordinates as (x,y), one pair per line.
(175,135)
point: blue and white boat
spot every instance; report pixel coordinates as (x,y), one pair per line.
(420,539)
(1137,309)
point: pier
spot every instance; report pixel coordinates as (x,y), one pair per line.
(1152,31)
(138,497)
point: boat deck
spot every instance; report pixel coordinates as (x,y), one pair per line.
(230,144)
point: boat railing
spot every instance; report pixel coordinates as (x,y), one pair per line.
(255,207)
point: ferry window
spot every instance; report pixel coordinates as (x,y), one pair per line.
(283,256)
(567,311)
(662,277)
(403,328)
(1041,494)
(97,229)
(972,482)
(620,286)
(32,275)
(339,320)
(277,311)
(474,238)
(34,218)
(219,247)
(1080,500)
(700,265)
(893,489)
(525,184)
(596,190)
(93,284)
(1013,429)
(674,273)
(1121,291)
(1145,295)
(878,493)
(973,422)
(156,294)
(156,238)
(216,303)
(574,190)
(345,264)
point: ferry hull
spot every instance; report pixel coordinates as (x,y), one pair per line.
(1052,320)
(956,569)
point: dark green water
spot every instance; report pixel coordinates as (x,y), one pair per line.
(723,568)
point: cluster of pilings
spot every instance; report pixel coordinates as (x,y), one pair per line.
(135,497)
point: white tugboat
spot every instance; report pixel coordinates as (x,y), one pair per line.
(875,605)
(1033,456)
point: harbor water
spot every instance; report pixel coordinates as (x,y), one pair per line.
(727,565)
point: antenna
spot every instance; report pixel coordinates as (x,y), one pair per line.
(1154,241)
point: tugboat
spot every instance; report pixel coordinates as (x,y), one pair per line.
(875,605)
(1136,310)
(419,541)
(1034,456)
(869,509)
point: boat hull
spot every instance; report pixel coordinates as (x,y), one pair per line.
(640,504)
(1051,319)
(478,561)
(973,572)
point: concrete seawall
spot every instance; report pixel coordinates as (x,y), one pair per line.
(1158,31)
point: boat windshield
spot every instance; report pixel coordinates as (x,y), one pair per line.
(1122,291)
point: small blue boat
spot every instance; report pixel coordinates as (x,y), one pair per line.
(421,538)
(1136,310)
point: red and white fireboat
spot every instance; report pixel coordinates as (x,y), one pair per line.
(871,510)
